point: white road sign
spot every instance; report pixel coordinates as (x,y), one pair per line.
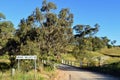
(26,57)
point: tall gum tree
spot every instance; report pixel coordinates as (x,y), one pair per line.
(50,32)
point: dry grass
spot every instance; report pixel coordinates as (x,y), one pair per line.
(4,60)
(111,51)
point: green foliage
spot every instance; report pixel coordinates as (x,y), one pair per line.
(43,33)
(49,35)
(4,57)
(47,6)
(27,65)
(88,43)
(98,43)
(6,32)
(6,35)
(4,66)
(69,57)
(83,40)
(85,30)
(49,67)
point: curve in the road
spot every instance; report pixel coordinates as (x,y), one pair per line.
(72,73)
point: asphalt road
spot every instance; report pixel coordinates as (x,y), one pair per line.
(72,73)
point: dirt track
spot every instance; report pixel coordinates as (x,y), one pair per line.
(70,73)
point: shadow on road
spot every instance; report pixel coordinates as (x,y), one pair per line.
(82,74)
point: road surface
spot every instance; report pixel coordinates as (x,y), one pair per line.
(71,73)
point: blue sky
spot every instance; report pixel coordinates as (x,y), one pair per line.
(104,12)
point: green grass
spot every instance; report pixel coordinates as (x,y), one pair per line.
(21,76)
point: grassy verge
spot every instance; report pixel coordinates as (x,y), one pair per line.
(21,76)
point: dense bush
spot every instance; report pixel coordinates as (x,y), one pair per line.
(4,66)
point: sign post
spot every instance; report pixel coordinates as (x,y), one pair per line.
(19,57)
(18,65)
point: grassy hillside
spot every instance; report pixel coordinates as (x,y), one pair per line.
(111,61)
(113,52)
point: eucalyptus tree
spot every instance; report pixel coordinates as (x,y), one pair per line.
(97,43)
(7,43)
(54,30)
(85,30)
(6,30)
(83,39)
(45,33)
